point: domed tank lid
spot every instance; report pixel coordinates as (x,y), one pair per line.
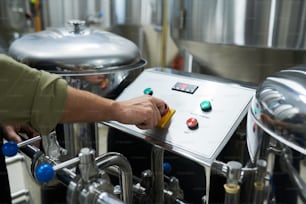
(75,48)
(279,107)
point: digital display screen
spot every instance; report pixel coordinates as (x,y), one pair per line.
(187,88)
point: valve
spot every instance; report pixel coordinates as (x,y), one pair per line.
(76,25)
(11,148)
(167,167)
(44,173)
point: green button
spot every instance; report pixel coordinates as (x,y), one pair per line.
(205,106)
(148,91)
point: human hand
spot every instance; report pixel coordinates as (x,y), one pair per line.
(11,132)
(144,111)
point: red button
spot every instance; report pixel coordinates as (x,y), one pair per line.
(192,123)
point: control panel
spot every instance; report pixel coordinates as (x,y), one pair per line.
(205,113)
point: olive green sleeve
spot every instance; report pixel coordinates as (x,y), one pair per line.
(30,96)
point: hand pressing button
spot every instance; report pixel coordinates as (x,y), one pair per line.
(166,118)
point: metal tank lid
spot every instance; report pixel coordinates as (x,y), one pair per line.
(279,107)
(75,49)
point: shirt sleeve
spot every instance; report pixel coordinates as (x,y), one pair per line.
(30,96)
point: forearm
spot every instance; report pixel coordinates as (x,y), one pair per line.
(83,106)
(29,96)
(42,100)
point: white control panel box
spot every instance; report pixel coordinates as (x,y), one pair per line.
(208,111)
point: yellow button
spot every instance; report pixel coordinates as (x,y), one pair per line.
(166,118)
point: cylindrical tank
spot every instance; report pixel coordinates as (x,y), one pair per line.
(141,21)
(56,13)
(137,20)
(240,39)
(13,21)
(276,131)
(97,61)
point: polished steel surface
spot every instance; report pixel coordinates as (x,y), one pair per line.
(105,82)
(279,108)
(81,49)
(127,18)
(253,23)
(87,165)
(56,13)
(229,100)
(243,40)
(137,12)
(119,160)
(14,16)
(88,59)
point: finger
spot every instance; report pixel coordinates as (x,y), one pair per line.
(151,120)
(162,106)
(143,126)
(154,116)
(163,110)
(12,135)
(29,131)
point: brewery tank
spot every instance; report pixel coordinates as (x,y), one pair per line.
(240,39)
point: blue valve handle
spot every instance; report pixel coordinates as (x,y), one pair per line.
(11,148)
(44,173)
(167,167)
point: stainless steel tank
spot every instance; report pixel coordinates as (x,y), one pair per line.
(141,22)
(277,129)
(279,107)
(89,59)
(56,13)
(13,20)
(136,20)
(240,39)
